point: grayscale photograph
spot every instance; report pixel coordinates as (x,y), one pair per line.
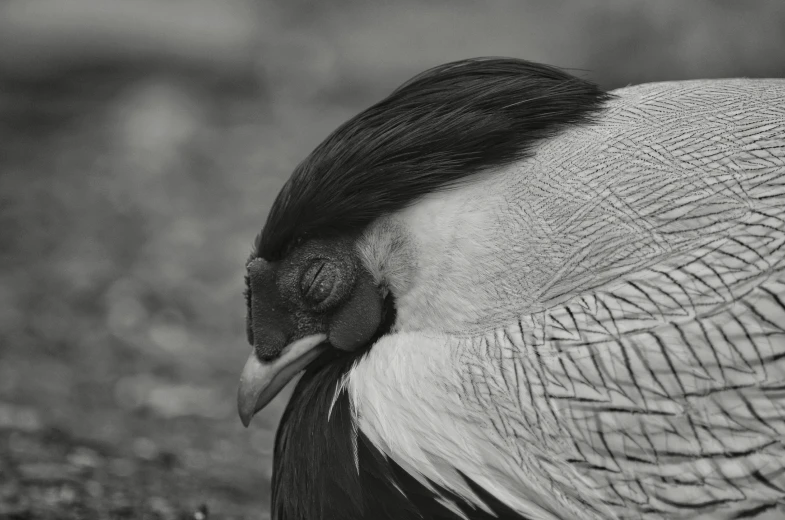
(392,260)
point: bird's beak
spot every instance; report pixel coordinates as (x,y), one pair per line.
(261,381)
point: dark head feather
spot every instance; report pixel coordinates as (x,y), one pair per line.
(434,131)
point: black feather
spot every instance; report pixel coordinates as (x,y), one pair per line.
(314,471)
(436,130)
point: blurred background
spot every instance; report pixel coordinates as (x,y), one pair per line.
(141,144)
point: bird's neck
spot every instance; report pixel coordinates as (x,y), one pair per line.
(326,467)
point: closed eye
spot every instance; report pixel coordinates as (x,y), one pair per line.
(320,282)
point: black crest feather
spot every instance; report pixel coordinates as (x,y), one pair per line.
(435,130)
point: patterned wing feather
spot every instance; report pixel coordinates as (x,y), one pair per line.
(670,381)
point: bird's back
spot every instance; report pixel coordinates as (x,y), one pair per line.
(644,374)
(668,374)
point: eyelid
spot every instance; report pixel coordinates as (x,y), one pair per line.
(323,285)
(321,267)
(306,277)
(310,278)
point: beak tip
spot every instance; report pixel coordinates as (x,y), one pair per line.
(244,410)
(261,381)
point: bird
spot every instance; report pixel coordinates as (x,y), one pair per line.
(510,294)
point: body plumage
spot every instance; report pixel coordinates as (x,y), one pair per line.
(588,325)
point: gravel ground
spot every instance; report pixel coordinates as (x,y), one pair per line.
(121,324)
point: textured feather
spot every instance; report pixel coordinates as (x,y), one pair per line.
(618,345)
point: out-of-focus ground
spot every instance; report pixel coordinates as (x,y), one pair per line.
(141,144)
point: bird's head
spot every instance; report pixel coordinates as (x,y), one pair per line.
(318,281)
(316,298)
(315,282)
